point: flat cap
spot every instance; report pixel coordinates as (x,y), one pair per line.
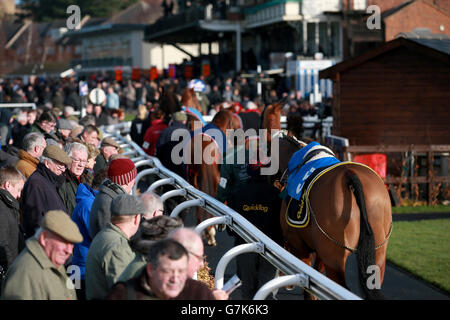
(109,142)
(179,116)
(54,152)
(126,204)
(59,222)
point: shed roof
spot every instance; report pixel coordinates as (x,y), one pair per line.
(434,48)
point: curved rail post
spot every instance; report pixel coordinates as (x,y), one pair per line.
(130,152)
(212,221)
(143,162)
(140,175)
(173,193)
(257,247)
(161,182)
(138,158)
(299,280)
(187,204)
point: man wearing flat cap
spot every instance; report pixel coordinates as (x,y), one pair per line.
(40,192)
(108,147)
(38,273)
(110,252)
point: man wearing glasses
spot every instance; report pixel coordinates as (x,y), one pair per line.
(78,153)
(40,192)
(46,125)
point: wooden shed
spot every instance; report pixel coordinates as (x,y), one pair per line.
(396,94)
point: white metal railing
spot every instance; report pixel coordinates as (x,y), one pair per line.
(297,272)
(18,105)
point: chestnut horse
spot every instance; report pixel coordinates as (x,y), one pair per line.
(350,213)
(203,154)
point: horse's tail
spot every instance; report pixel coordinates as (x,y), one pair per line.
(366,244)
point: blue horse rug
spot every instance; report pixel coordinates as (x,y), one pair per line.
(304,168)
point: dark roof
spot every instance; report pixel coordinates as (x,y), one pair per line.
(442,45)
(434,48)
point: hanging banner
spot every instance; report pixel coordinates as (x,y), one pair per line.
(172,71)
(188,71)
(206,71)
(118,75)
(135,74)
(153,73)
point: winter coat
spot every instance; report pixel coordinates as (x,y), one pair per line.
(36,128)
(68,190)
(165,145)
(39,195)
(136,130)
(259,203)
(26,164)
(100,162)
(232,174)
(18,132)
(151,136)
(12,239)
(85,197)
(101,207)
(33,276)
(108,256)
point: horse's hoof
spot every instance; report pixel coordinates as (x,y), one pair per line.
(212,243)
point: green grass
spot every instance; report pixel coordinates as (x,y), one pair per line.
(421,209)
(423,248)
(129,117)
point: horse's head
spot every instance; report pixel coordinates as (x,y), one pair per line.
(169,101)
(223,120)
(271,118)
(189,99)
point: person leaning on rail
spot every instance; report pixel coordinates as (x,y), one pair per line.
(195,289)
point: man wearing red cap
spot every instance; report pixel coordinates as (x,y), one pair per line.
(121,175)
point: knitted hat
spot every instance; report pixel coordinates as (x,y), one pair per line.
(60,223)
(122,171)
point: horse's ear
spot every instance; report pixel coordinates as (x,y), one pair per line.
(277,106)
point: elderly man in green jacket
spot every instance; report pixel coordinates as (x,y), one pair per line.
(38,273)
(110,252)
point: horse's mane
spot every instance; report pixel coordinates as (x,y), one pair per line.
(271,116)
